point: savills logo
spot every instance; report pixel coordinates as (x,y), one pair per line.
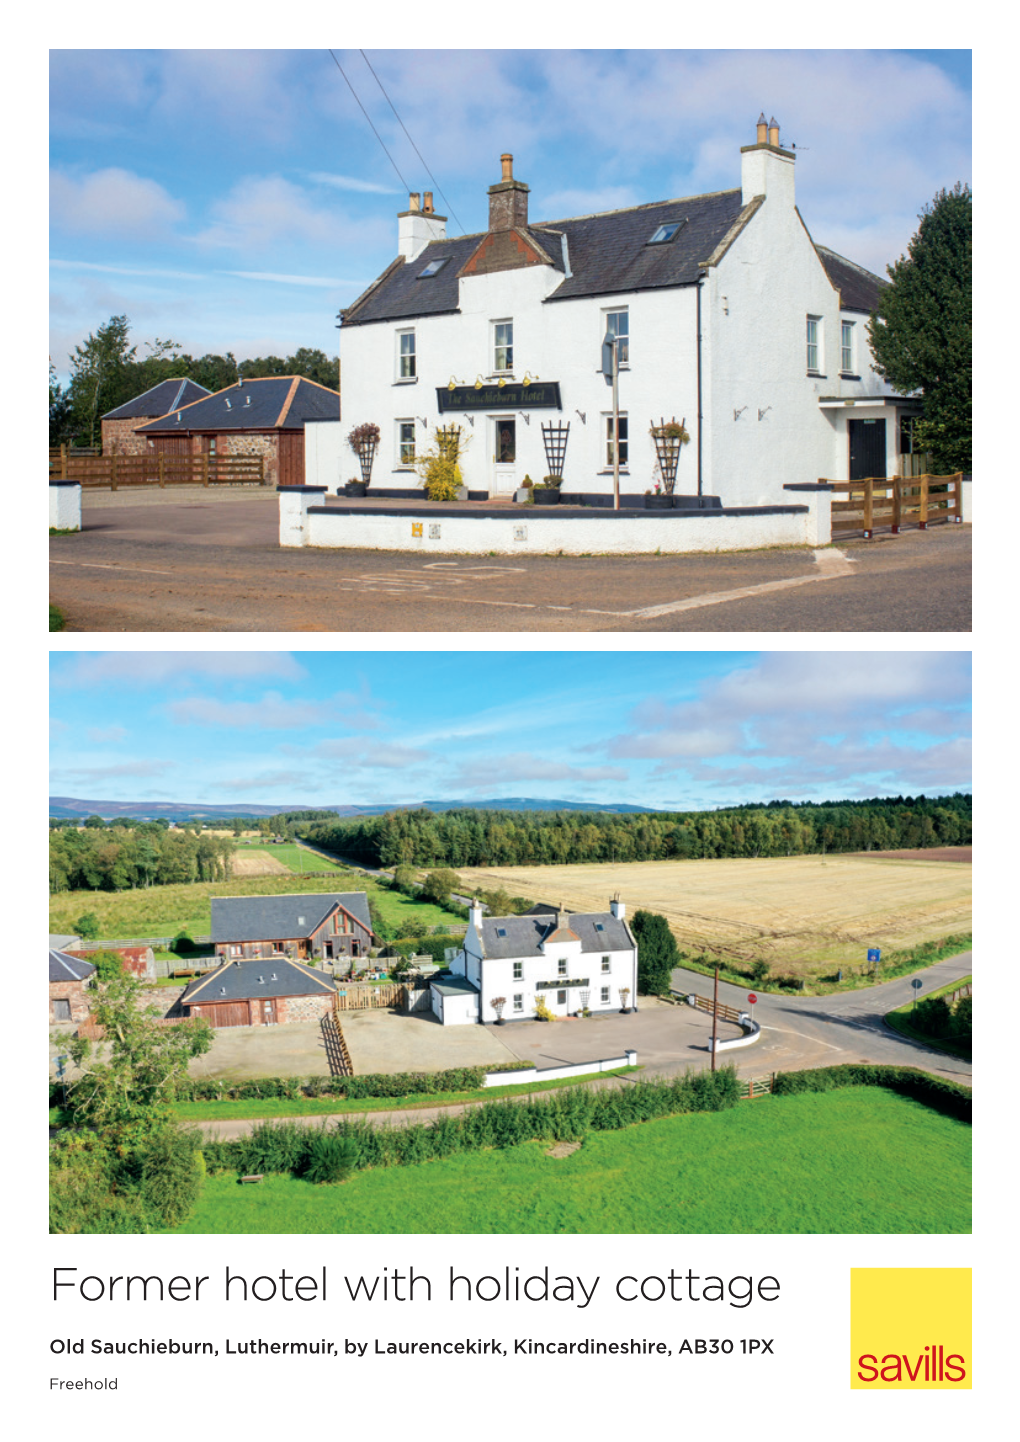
(910,1327)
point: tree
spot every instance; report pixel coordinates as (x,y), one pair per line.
(127,1087)
(61,423)
(98,375)
(921,333)
(658,952)
(438,885)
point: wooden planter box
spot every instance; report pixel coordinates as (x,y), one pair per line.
(355,488)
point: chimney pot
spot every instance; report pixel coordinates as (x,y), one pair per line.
(414,200)
(507,162)
(427,204)
(763,129)
(773,131)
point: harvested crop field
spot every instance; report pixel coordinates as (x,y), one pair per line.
(257,863)
(790,911)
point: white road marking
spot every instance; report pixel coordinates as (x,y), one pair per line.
(99,566)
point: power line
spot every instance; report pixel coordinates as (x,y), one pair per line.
(365,113)
(414,147)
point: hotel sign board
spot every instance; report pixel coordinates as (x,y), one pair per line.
(513,397)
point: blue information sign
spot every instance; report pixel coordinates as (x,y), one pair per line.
(874,954)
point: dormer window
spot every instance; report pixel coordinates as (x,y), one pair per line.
(433,268)
(666,233)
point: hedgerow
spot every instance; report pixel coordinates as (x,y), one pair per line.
(941,1095)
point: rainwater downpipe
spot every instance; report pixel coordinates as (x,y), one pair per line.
(700,278)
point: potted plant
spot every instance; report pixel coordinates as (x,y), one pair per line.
(498,1003)
(439,467)
(547,493)
(364,442)
(624,993)
(657,499)
(525,492)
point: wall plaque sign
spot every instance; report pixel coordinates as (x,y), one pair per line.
(513,396)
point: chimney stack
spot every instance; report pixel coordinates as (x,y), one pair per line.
(508,201)
(766,169)
(418,226)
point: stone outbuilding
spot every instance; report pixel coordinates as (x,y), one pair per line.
(267,992)
(69,980)
(263,417)
(120,426)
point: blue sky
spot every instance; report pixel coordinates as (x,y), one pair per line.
(235,200)
(684,729)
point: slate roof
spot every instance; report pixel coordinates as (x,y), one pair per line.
(525,934)
(160,400)
(239,980)
(278,918)
(268,404)
(608,254)
(69,968)
(858,288)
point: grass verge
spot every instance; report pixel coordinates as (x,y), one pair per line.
(896,964)
(900,1022)
(255,1109)
(57,618)
(859,1160)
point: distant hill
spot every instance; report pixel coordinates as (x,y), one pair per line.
(69,807)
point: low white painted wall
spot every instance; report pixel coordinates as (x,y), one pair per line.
(751,1030)
(965,501)
(581,1068)
(65,506)
(539,531)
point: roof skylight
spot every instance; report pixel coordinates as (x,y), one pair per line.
(433,268)
(665,233)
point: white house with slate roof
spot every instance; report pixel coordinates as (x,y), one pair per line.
(568,960)
(729,317)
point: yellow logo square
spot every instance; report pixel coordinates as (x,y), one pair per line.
(910,1328)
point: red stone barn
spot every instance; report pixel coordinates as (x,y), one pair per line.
(120,426)
(264,417)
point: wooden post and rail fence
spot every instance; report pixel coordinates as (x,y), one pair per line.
(895,501)
(156,469)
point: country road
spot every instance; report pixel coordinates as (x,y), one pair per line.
(798,1033)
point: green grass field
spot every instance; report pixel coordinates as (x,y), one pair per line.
(860,1160)
(165,910)
(295,858)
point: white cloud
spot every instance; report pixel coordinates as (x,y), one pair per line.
(112,202)
(348,182)
(145,668)
(291,279)
(493,773)
(365,755)
(107,735)
(261,210)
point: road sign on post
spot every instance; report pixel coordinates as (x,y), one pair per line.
(751,997)
(874,955)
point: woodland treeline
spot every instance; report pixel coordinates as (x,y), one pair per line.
(546,838)
(119,858)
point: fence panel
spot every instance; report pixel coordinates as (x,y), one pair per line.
(156,469)
(895,501)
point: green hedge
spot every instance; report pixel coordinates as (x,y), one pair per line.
(379,1084)
(943,1096)
(566,1116)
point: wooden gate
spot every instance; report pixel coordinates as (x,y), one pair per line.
(362,996)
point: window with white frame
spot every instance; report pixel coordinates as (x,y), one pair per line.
(405,444)
(502,345)
(605,963)
(605,996)
(407,356)
(618,325)
(814,343)
(609,440)
(518,1001)
(561,966)
(846,348)
(518,971)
